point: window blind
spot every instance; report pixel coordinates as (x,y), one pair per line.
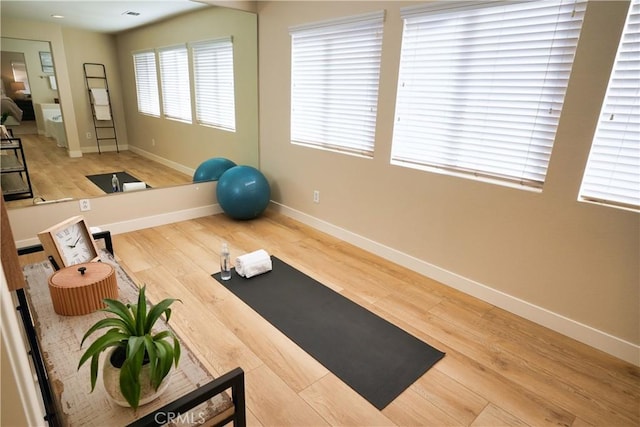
(214,86)
(612,174)
(175,83)
(481,86)
(144,64)
(335,68)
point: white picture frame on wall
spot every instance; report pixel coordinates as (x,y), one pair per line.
(46,61)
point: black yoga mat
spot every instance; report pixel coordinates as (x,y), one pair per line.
(374,357)
(104,180)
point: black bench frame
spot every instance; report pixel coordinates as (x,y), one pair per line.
(233,379)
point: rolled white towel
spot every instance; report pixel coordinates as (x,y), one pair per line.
(253,263)
(132,186)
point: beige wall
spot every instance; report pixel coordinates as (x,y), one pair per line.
(89,47)
(574,259)
(187,144)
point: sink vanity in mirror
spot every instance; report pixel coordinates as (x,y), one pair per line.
(171,149)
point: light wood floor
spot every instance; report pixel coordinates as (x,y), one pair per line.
(499,369)
(54,175)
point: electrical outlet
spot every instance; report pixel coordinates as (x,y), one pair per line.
(88,135)
(153,142)
(316,196)
(85,205)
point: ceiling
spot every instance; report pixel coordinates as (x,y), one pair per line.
(98,15)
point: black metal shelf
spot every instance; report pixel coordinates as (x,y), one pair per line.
(14,174)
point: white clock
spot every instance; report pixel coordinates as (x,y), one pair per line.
(69,242)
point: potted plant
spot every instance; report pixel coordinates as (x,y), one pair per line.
(145,357)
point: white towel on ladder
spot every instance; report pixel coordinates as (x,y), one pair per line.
(101,103)
(102,112)
(100,96)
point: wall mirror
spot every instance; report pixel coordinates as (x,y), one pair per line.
(157,150)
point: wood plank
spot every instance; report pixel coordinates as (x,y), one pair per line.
(532,408)
(494,416)
(450,396)
(499,368)
(340,405)
(410,409)
(275,404)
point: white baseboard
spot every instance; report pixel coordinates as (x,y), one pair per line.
(586,334)
(104,148)
(163,161)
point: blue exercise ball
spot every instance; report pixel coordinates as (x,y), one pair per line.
(212,169)
(243,192)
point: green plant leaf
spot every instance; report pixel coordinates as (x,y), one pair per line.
(94,370)
(162,335)
(176,350)
(152,353)
(119,309)
(167,360)
(119,324)
(135,346)
(130,382)
(176,343)
(149,346)
(109,339)
(156,312)
(141,311)
(94,366)
(158,374)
